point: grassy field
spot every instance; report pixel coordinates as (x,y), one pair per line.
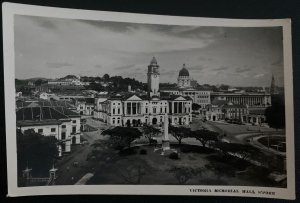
(196,165)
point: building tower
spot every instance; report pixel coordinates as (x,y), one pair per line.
(184,79)
(272,88)
(153,78)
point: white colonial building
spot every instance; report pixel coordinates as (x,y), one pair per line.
(135,110)
(48,122)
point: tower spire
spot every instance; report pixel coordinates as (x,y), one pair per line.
(272,88)
(153,78)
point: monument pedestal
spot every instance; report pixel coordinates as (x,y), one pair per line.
(165,145)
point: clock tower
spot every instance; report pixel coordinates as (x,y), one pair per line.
(153,78)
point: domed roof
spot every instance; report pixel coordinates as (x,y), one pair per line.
(184,71)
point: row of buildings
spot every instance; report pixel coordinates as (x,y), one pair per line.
(60,115)
(177,102)
(51,118)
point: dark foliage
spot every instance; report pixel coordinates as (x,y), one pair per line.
(195,107)
(121,137)
(174,156)
(179,133)
(35,151)
(150,132)
(195,149)
(205,136)
(143,151)
(275,114)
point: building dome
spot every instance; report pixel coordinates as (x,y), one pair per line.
(184,71)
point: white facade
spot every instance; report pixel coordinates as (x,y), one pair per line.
(47,96)
(201,97)
(75,130)
(184,81)
(84,108)
(135,111)
(250,99)
(61,131)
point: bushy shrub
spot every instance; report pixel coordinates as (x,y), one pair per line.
(174,156)
(143,151)
(128,151)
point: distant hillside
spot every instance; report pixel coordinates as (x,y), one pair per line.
(69,77)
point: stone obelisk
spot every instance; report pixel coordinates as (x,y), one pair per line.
(165,140)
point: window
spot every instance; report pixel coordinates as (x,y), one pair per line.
(118,110)
(74,121)
(63,126)
(180,107)
(154,110)
(74,129)
(113,110)
(134,108)
(40,130)
(146,110)
(53,130)
(63,135)
(128,108)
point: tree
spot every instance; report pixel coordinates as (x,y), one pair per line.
(195,107)
(205,136)
(121,137)
(35,151)
(106,77)
(275,115)
(150,132)
(179,133)
(95,86)
(38,82)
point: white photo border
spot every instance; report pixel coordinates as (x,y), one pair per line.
(11,9)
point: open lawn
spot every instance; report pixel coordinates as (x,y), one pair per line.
(196,165)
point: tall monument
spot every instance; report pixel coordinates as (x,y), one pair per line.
(166,140)
(153,78)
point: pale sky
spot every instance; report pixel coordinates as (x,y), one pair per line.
(52,48)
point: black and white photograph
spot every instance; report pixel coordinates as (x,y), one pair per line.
(98,102)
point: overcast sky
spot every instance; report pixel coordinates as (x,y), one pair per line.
(52,48)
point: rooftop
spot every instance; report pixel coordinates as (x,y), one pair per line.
(39,114)
(184,71)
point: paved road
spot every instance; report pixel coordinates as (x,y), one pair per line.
(69,174)
(243,134)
